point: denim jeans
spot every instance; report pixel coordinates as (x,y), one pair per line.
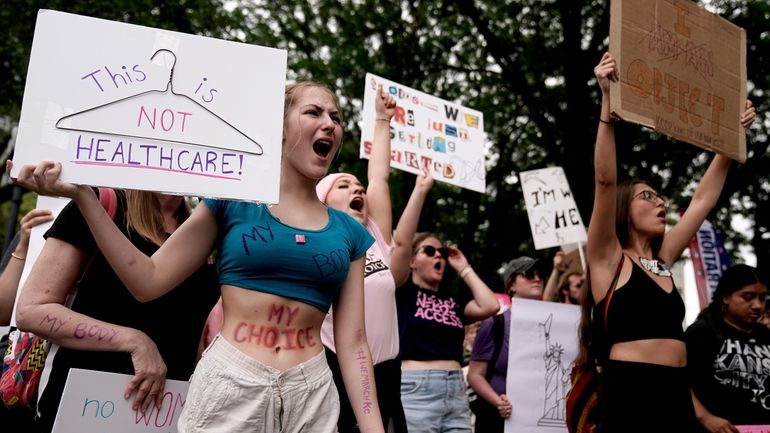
(434,401)
(232,392)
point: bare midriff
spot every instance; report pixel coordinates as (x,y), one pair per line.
(662,351)
(439,364)
(274,330)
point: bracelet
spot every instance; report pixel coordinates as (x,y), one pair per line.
(608,122)
(383,119)
(465,271)
(18,257)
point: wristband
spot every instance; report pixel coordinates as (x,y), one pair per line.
(608,122)
(18,257)
(384,120)
(466,270)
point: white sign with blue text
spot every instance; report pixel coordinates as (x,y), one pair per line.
(429,132)
(93,402)
(553,214)
(127,106)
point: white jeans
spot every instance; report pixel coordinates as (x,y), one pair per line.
(232,392)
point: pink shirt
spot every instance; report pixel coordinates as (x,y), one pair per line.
(379,301)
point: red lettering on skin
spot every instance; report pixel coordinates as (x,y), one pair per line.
(309,338)
(271,335)
(299,344)
(235,334)
(257,335)
(277,310)
(288,334)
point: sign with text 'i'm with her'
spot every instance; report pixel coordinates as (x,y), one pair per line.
(553,214)
(427,131)
(127,106)
(92,402)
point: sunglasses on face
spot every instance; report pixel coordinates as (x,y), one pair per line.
(530,274)
(430,251)
(652,197)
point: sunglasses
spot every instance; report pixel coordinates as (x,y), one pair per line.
(431,251)
(530,274)
(652,197)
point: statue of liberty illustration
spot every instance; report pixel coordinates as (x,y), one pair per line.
(557,381)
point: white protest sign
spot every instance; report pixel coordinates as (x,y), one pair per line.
(553,215)
(93,402)
(127,106)
(428,131)
(36,241)
(543,345)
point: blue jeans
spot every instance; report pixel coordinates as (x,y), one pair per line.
(434,401)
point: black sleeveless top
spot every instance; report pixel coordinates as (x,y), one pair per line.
(642,310)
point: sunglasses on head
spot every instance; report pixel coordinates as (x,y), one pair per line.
(430,251)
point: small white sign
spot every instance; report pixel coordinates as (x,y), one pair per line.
(553,215)
(93,402)
(539,364)
(127,106)
(427,131)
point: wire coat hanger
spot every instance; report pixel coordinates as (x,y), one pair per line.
(170,89)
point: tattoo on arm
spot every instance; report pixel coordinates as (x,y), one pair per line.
(366,388)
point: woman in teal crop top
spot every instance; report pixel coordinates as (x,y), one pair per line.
(266,371)
(645,380)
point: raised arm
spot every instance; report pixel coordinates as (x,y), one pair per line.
(407,226)
(11,275)
(378,172)
(146,277)
(353,350)
(551,290)
(484,303)
(41,310)
(603,248)
(703,200)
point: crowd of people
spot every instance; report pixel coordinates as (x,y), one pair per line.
(376,343)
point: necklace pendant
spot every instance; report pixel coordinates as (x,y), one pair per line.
(299,239)
(655,267)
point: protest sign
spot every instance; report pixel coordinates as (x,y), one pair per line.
(553,215)
(540,363)
(93,402)
(427,131)
(127,106)
(682,71)
(753,428)
(709,260)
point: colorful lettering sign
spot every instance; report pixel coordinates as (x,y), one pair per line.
(93,402)
(709,260)
(682,72)
(553,215)
(127,106)
(427,131)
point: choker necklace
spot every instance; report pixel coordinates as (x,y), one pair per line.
(655,267)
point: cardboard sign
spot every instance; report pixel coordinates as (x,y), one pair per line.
(427,131)
(126,106)
(93,402)
(553,215)
(682,72)
(539,364)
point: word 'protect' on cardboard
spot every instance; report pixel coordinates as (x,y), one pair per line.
(682,71)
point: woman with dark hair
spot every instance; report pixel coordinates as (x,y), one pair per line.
(431,322)
(728,354)
(645,381)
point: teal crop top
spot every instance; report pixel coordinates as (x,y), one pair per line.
(259,252)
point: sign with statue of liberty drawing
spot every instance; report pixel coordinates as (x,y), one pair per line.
(543,345)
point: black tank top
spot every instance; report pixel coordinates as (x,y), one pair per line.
(642,310)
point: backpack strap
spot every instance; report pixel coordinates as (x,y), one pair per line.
(612,289)
(498,333)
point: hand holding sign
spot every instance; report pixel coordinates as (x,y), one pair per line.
(149,373)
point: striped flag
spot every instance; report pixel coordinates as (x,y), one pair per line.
(709,259)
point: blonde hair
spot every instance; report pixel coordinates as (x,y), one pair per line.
(144,217)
